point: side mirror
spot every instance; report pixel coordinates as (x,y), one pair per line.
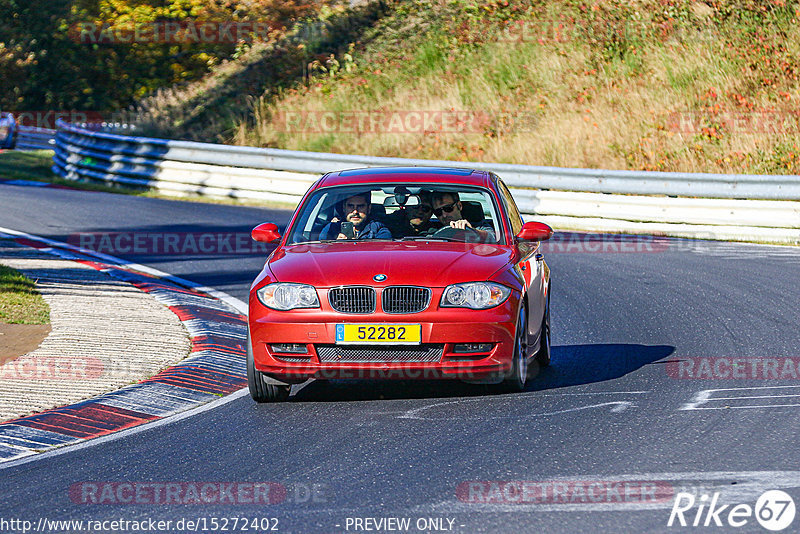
(535,231)
(266,233)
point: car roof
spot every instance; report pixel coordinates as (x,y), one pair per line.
(444,175)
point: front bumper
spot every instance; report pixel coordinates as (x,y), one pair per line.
(441,328)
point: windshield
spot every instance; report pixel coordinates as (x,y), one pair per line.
(398,212)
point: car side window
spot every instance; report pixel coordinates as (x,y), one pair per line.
(511,206)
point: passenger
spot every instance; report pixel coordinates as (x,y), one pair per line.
(447,208)
(413,220)
(356,210)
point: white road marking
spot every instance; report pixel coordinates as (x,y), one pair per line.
(701,398)
(538,394)
(130,431)
(755,397)
(734,487)
(746,250)
(618,406)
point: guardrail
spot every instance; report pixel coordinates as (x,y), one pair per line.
(30,138)
(744,207)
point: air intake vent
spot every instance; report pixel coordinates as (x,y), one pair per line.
(372,353)
(352,299)
(405,299)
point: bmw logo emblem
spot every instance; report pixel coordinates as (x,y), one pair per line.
(379,277)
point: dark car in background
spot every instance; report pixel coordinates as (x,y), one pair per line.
(8,131)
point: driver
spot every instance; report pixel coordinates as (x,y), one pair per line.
(356,210)
(447,208)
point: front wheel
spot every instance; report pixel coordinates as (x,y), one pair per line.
(260,391)
(515,380)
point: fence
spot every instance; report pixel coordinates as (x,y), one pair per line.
(735,207)
(30,138)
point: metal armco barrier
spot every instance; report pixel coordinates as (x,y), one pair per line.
(30,138)
(740,207)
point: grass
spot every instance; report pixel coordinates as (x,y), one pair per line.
(26,165)
(643,85)
(35,166)
(20,303)
(659,85)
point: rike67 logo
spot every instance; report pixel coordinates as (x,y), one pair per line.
(774,510)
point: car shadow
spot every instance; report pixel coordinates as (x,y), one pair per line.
(572,365)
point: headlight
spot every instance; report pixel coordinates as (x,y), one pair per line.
(283,296)
(475,295)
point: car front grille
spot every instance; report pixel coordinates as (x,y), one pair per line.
(405,299)
(372,353)
(352,299)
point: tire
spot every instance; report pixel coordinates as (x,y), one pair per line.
(260,391)
(543,355)
(514,381)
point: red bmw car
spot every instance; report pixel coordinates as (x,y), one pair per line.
(407,273)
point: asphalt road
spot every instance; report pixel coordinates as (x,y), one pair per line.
(608,413)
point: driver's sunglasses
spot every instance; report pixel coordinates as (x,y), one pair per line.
(447,208)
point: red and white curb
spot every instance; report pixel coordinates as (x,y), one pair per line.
(217,325)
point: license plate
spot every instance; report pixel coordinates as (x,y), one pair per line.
(398,334)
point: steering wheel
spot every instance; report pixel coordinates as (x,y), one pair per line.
(467,235)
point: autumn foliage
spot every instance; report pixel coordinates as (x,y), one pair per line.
(43,66)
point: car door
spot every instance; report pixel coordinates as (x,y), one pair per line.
(530,265)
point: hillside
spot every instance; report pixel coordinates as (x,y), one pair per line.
(212,108)
(670,85)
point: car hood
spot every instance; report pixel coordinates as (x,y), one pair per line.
(431,264)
